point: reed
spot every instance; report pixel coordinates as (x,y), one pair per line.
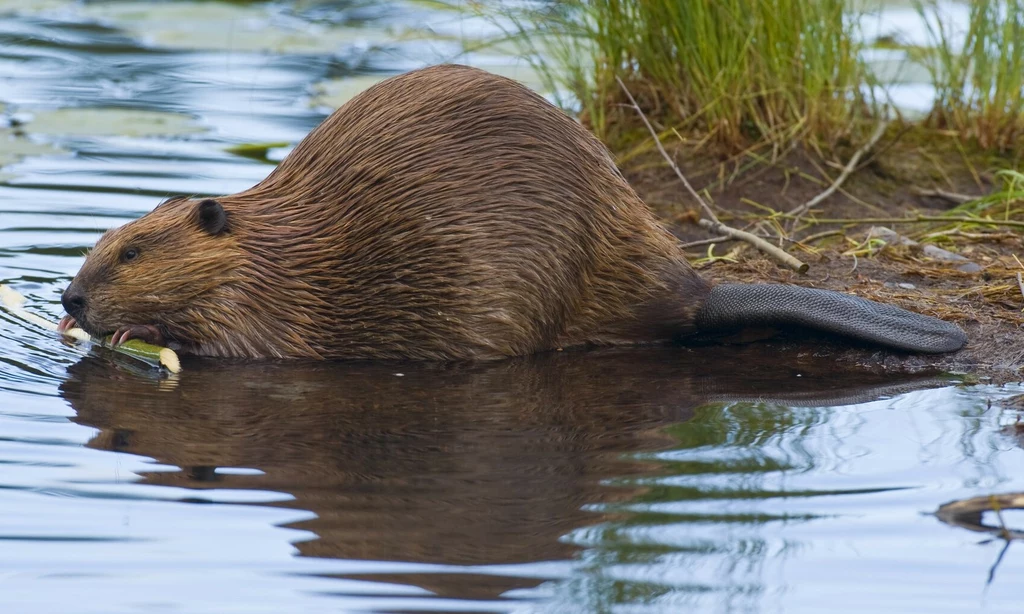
(734,72)
(978,71)
(743,73)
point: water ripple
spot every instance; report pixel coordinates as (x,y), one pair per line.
(611,481)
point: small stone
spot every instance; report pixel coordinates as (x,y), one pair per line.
(938,253)
(969,267)
(889,235)
(906,286)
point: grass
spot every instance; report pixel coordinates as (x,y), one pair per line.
(978,71)
(733,72)
(1004,203)
(747,73)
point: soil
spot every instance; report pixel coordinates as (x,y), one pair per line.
(987,303)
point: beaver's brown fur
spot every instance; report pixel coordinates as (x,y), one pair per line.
(442,214)
(446,213)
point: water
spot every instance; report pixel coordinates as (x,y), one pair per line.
(659,480)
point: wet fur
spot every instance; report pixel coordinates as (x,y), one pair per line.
(442,214)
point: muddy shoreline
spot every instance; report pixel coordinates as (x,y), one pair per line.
(985,299)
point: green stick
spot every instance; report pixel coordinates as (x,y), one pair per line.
(154,355)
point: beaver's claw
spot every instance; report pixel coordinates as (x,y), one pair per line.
(66,324)
(142,332)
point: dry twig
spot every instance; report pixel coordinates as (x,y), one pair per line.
(712,223)
(758,242)
(849,168)
(918,219)
(664,154)
(703,242)
(818,235)
(952,197)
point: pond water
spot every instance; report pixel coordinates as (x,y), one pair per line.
(662,480)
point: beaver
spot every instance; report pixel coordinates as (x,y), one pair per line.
(442,214)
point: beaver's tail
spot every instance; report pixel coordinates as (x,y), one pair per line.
(738,305)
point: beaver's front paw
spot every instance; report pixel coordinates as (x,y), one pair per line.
(142,332)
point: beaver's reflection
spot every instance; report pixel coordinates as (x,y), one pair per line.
(464,464)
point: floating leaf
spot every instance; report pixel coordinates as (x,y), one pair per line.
(256,151)
(20,7)
(14,147)
(111,122)
(336,92)
(220,26)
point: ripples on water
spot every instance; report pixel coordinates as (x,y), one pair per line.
(645,481)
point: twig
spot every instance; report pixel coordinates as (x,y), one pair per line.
(703,242)
(14,303)
(1020,283)
(818,235)
(1003,531)
(758,242)
(999,559)
(712,223)
(953,197)
(982,236)
(664,154)
(850,166)
(918,219)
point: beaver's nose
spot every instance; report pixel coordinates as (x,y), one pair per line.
(74,301)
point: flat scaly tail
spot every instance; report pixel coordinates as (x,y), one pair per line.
(738,305)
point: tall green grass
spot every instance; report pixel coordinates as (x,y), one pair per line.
(748,72)
(978,71)
(738,72)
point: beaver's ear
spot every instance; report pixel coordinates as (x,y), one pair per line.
(212,217)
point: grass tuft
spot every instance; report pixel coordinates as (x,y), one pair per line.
(978,71)
(748,73)
(736,72)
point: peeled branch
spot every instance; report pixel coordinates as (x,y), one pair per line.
(154,355)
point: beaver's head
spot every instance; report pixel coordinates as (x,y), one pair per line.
(156,271)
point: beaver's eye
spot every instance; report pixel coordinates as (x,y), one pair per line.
(130,254)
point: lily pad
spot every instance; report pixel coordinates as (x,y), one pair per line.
(228,27)
(111,122)
(20,7)
(335,92)
(256,151)
(14,147)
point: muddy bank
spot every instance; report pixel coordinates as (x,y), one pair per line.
(979,292)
